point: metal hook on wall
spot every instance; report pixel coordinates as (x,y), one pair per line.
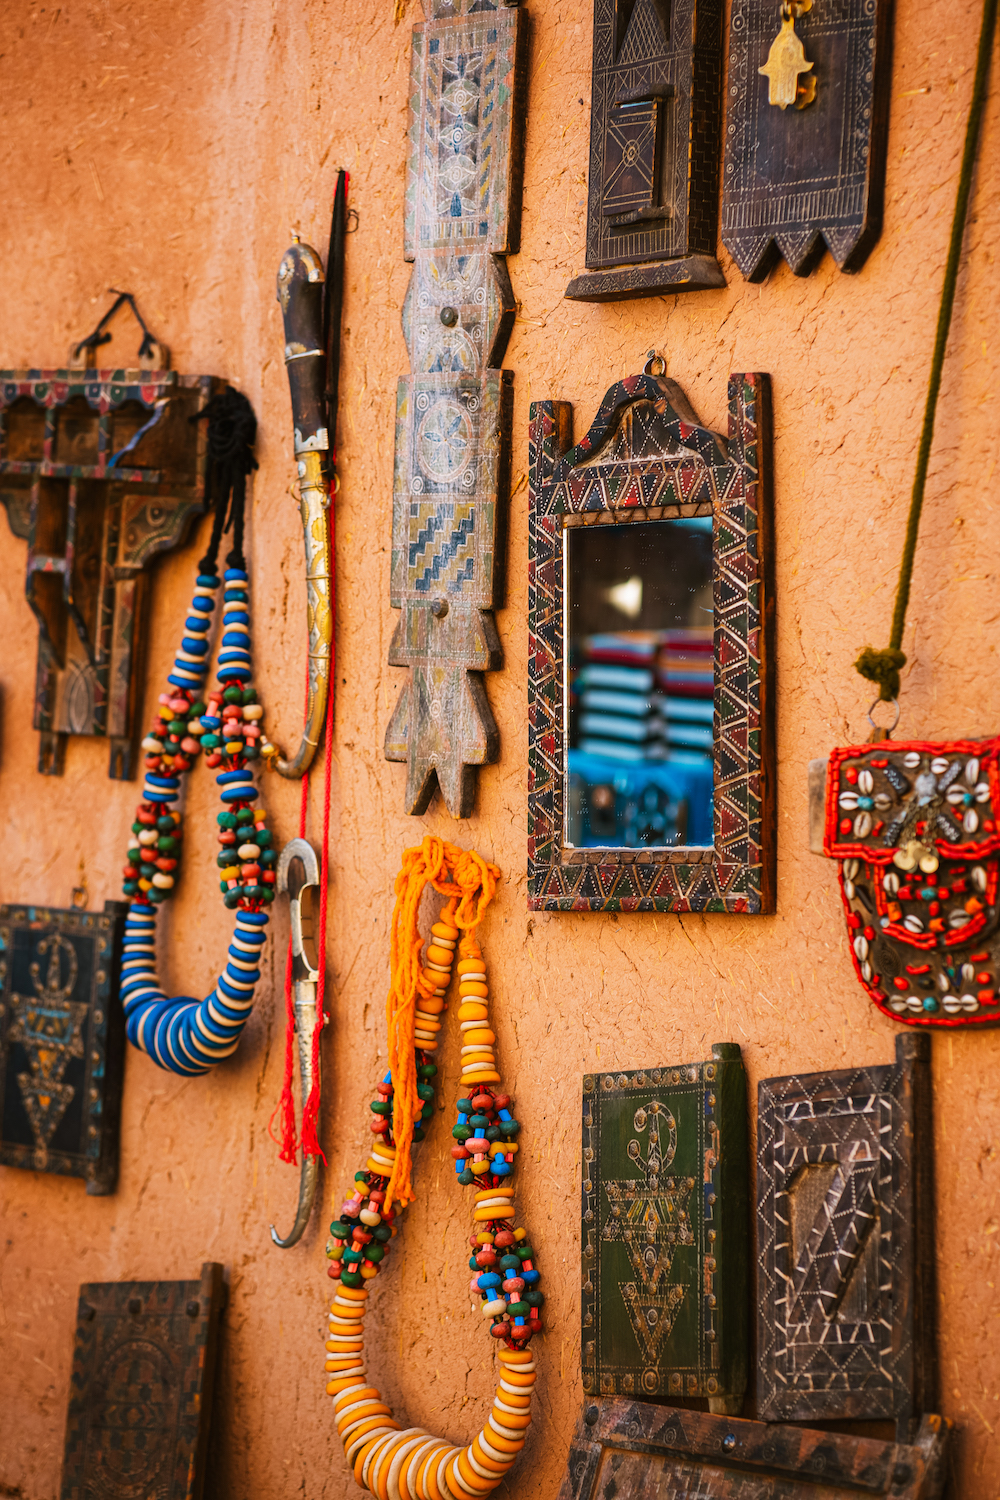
(298,878)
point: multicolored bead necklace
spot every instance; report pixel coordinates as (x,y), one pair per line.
(182,1034)
(386,1459)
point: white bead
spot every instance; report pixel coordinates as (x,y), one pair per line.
(148,836)
(248,851)
(490,1309)
(253,711)
(163,881)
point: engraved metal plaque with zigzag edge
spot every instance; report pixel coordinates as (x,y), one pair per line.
(61,1041)
(845,1243)
(664,1231)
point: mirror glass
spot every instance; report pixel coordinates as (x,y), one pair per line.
(640,674)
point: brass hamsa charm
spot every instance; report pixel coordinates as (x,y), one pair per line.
(786,62)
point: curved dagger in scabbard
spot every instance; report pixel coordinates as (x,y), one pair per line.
(311,312)
(298,873)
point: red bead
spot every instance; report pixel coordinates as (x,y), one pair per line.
(501,1101)
(268,877)
(986,997)
(500,1330)
(852,774)
(377,1125)
(486,1256)
(845,825)
(503,1238)
(334,1269)
(869,933)
(130,872)
(901,984)
(459,1152)
(482,1101)
(524,1331)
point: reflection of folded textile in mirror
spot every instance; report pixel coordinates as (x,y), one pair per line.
(628,679)
(626,647)
(634,705)
(685,662)
(622,750)
(666,803)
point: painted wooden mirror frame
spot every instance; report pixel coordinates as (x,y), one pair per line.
(647,457)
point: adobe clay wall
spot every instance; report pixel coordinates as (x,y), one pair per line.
(170,150)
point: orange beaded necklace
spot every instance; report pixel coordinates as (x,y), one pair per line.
(392,1462)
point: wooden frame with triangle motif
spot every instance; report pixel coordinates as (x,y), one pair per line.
(605,480)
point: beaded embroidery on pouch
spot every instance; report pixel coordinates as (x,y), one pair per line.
(915,828)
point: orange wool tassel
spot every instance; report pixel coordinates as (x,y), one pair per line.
(469,882)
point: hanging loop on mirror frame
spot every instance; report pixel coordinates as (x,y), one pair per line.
(880,733)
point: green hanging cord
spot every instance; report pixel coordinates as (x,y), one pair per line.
(883,667)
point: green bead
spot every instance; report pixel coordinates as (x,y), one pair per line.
(210,741)
(518,1309)
(427,1112)
(352,1278)
(226,820)
(166,843)
(264,837)
(232,899)
(224,887)
(197,709)
(245,815)
(131,887)
(156,895)
(352,1255)
(473,1265)
(138,827)
(135,855)
(425,1091)
(225,858)
(524,1252)
(178,727)
(269,859)
(465,1177)
(427,1070)
(418,1133)
(492,1133)
(509,1263)
(510,1128)
(251,753)
(480,1121)
(361,1178)
(268,894)
(249,696)
(382,1232)
(165,825)
(147,871)
(374,1253)
(461,1132)
(465,1106)
(233,695)
(340,1230)
(381,1107)
(534,1299)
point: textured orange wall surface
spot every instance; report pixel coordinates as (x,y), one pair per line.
(170,150)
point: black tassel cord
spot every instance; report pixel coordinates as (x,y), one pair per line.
(232,432)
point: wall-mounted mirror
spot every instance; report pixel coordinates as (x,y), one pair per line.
(649,604)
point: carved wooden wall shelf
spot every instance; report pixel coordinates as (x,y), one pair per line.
(453,413)
(647,458)
(62,1041)
(664,1232)
(654,141)
(812,175)
(100,472)
(140,1402)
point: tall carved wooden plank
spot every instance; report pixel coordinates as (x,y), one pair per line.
(100,471)
(141,1389)
(664,1232)
(806,169)
(631,1450)
(453,413)
(62,1041)
(845,1222)
(654,140)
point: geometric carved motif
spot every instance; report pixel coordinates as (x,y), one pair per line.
(845,1243)
(453,413)
(798,180)
(100,471)
(61,1042)
(633,1450)
(654,132)
(141,1393)
(664,1231)
(647,457)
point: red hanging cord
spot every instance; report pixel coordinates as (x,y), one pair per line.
(286,1104)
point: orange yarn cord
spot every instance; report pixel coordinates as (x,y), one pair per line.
(470,883)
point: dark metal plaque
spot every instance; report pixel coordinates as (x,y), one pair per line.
(798,179)
(664,1234)
(651,207)
(845,1242)
(62,1041)
(141,1394)
(631,1450)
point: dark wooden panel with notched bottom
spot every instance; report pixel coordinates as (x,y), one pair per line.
(654,133)
(810,175)
(664,1234)
(141,1391)
(626,1450)
(845,1295)
(62,1041)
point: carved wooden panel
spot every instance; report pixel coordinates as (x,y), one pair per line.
(654,136)
(631,1450)
(100,471)
(453,413)
(664,1231)
(647,457)
(845,1231)
(914,826)
(800,178)
(141,1391)
(62,1041)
